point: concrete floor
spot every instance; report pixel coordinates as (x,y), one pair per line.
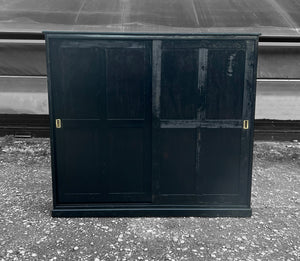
(28,232)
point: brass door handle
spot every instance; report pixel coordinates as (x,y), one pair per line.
(58,123)
(245,124)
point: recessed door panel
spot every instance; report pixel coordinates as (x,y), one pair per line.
(225,87)
(81,85)
(126,73)
(178,161)
(219,161)
(129,169)
(179,84)
(80,161)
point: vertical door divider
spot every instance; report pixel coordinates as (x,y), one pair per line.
(156,82)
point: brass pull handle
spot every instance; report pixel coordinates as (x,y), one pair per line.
(245,124)
(58,123)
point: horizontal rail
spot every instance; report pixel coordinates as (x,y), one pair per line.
(24,76)
(22,41)
(277,80)
(191,124)
(279,44)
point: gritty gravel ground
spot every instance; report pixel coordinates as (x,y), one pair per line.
(28,232)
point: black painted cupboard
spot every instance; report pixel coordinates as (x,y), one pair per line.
(151,124)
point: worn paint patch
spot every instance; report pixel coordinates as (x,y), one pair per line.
(230,64)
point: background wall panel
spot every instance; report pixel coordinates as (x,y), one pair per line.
(279,60)
(278,99)
(25,57)
(23,95)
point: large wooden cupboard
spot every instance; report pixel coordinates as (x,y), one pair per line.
(151,124)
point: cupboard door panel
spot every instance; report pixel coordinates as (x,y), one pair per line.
(199,124)
(129,171)
(179,84)
(175,143)
(79,89)
(128,121)
(104,103)
(178,173)
(80,161)
(225,87)
(219,161)
(126,74)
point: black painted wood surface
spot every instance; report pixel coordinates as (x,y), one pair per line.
(151,122)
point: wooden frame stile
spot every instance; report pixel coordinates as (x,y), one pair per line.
(249,113)
(51,119)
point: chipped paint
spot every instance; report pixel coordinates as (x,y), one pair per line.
(230,64)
